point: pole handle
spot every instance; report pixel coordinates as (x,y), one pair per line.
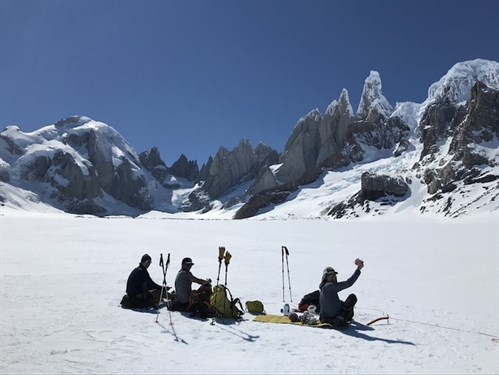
(227,258)
(221,253)
(285,250)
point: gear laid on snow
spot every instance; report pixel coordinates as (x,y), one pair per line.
(255,307)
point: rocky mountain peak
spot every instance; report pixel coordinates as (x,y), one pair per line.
(448,144)
(72,122)
(343,104)
(373,104)
(456,85)
(185,168)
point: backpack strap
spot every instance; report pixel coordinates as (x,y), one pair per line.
(240,310)
(233,302)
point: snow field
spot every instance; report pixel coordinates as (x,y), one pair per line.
(62,278)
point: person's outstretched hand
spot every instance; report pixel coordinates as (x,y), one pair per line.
(359,263)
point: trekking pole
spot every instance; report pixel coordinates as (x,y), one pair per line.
(289,278)
(227,261)
(282,266)
(221,254)
(162,265)
(164,287)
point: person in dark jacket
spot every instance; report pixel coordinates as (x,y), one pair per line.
(333,310)
(141,290)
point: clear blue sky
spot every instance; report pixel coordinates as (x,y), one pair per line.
(191,76)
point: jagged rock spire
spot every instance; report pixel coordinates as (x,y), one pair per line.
(373,103)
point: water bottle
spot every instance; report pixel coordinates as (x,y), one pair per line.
(286,310)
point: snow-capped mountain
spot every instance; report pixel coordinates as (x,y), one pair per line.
(81,166)
(456,85)
(441,155)
(372,102)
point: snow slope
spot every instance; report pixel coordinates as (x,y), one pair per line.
(62,278)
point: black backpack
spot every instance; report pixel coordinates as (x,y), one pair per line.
(312,298)
(140,301)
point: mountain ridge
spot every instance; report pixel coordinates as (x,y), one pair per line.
(447,144)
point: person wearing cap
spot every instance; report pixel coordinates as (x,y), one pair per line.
(141,290)
(184,293)
(333,310)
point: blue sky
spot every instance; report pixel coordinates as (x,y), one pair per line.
(191,76)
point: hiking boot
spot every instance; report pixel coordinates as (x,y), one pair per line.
(338,321)
(294,318)
(203,316)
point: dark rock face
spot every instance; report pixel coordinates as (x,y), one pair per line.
(4,174)
(377,186)
(383,136)
(228,169)
(259,201)
(10,145)
(77,185)
(151,160)
(439,120)
(127,187)
(479,123)
(383,189)
(36,169)
(185,168)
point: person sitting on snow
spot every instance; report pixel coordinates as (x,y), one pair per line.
(333,310)
(186,299)
(141,290)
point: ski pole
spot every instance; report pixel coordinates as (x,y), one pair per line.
(282,266)
(289,278)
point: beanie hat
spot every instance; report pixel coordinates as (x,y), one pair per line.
(329,270)
(145,257)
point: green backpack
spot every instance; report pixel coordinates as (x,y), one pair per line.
(224,305)
(255,307)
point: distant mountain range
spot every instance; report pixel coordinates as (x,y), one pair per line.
(439,156)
